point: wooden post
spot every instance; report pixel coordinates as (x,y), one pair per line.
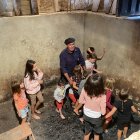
(56,5)
(38,5)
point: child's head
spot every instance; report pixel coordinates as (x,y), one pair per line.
(77,70)
(91,58)
(61,83)
(90,50)
(15,85)
(94,85)
(123,95)
(109,83)
(30,68)
(86,73)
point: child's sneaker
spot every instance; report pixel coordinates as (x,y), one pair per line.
(57,110)
(62,116)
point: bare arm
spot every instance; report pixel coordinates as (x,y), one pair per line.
(68,78)
(99,58)
(96,70)
(134,109)
(74,86)
(111,112)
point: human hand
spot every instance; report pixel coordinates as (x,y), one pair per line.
(40,81)
(70,82)
(100,72)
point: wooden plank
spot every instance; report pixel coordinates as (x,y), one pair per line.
(46,5)
(56,5)
(18,133)
(114,7)
(25,7)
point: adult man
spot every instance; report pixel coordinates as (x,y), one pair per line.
(69,58)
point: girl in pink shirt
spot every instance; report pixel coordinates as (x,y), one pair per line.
(32,80)
(94,101)
(109,86)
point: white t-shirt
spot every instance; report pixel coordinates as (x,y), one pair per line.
(89,65)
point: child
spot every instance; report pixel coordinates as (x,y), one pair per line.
(91,50)
(124,107)
(86,74)
(77,77)
(94,101)
(109,86)
(20,100)
(59,95)
(32,80)
(90,64)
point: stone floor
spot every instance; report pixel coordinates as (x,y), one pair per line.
(50,126)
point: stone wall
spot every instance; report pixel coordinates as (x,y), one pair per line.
(41,38)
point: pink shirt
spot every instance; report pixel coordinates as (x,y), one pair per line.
(33,86)
(97,104)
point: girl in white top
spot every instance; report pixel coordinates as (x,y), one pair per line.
(90,64)
(32,80)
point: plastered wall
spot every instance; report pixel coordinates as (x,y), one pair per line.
(41,38)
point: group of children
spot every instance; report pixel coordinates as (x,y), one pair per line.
(31,86)
(90,96)
(94,99)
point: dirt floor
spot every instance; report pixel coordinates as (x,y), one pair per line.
(51,126)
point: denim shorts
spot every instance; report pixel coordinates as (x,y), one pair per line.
(23,112)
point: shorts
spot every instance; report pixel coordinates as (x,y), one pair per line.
(24,112)
(121,124)
(59,105)
(38,95)
(94,124)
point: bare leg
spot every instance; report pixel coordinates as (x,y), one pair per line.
(125,132)
(36,107)
(119,134)
(33,112)
(61,115)
(39,102)
(86,137)
(96,137)
(23,121)
(105,126)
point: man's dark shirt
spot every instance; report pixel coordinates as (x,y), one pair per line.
(69,60)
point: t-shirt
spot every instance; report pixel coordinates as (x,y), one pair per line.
(20,100)
(97,104)
(124,109)
(89,65)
